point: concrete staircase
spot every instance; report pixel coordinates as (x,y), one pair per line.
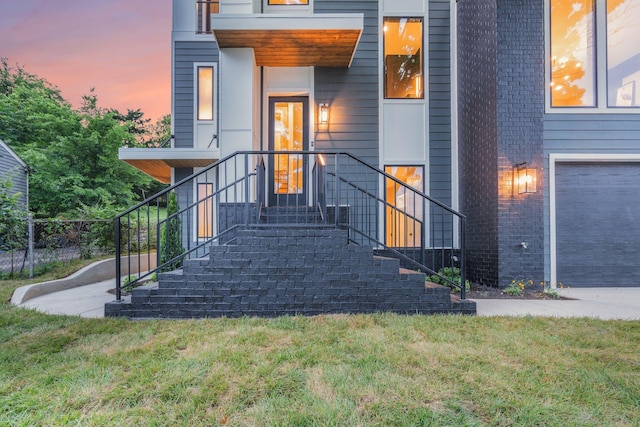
(271,272)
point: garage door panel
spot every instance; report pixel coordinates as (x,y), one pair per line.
(598,224)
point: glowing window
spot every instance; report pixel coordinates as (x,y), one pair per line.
(593,60)
(205,210)
(572,54)
(405,211)
(276,2)
(403,65)
(205,93)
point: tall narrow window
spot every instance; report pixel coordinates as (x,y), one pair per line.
(573,54)
(205,93)
(403,65)
(275,2)
(623,53)
(205,210)
(405,211)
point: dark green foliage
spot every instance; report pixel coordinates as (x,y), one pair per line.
(73,154)
(13,222)
(171,238)
(451,273)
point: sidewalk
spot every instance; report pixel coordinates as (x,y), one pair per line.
(602,303)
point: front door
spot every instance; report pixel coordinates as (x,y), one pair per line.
(288,131)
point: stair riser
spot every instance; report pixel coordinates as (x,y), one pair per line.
(273,272)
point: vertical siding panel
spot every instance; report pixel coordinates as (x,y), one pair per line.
(186,54)
(439,73)
(352,93)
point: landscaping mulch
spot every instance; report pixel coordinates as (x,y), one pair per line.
(530,292)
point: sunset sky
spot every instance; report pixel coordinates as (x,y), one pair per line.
(120,47)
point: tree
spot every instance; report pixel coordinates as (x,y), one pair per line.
(73,154)
(12,221)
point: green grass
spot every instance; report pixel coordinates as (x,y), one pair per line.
(373,370)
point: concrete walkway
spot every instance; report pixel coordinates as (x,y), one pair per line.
(602,303)
(83,301)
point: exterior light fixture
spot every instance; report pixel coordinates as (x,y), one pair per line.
(323,114)
(524,178)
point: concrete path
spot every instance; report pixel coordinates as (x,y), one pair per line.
(602,303)
(83,301)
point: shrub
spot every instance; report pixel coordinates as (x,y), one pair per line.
(451,273)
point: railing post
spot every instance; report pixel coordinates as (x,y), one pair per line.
(118,262)
(246,189)
(30,231)
(336,214)
(463,273)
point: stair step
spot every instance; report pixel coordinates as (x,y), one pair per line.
(279,271)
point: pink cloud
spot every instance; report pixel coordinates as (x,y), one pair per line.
(120,47)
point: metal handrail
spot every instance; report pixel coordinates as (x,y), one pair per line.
(231,193)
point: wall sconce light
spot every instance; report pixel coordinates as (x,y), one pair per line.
(524,178)
(323,114)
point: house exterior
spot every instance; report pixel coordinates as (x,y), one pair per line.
(17,171)
(521,114)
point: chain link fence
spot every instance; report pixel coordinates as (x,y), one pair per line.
(33,247)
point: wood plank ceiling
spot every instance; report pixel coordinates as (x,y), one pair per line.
(294,48)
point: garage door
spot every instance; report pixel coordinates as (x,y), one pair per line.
(598,224)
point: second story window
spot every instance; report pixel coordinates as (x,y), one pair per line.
(403,53)
(205,93)
(278,2)
(594,53)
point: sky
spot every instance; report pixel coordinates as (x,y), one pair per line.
(122,48)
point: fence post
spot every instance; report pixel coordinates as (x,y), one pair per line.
(118,255)
(30,249)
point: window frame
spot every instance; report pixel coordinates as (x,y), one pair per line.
(196,92)
(601,67)
(423,64)
(387,226)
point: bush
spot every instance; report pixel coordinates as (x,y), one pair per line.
(451,273)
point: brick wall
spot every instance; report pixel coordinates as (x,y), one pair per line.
(501,106)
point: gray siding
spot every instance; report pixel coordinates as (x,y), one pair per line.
(186,54)
(585,133)
(11,168)
(588,133)
(439,74)
(352,92)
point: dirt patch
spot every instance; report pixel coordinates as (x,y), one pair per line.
(530,292)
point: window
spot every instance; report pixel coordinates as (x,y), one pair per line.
(405,211)
(277,2)
(205,210)
(594,61)
(205,93)
(403,76)
(204,9)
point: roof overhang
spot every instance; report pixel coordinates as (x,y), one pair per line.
(323,40)
(157,162)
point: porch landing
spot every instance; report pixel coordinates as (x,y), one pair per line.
(270,272)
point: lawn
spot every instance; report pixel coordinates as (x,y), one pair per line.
(362,370)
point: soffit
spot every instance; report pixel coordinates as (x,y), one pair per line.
(324,40)
(157,162)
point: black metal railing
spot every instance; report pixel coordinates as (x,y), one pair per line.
(204,9)
(289,189)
